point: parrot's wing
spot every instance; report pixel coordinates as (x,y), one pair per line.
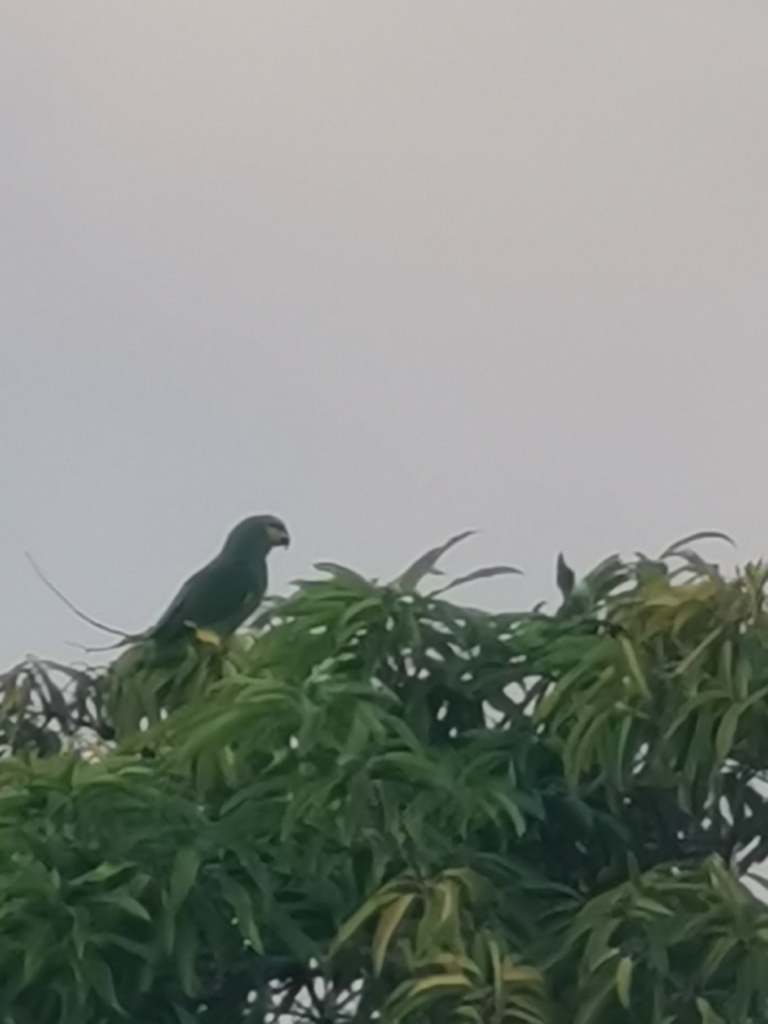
(213,596)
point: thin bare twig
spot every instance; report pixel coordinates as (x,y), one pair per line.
(72,607)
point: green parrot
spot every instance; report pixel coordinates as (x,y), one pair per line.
(218,598)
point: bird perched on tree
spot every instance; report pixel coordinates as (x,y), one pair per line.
(224,593)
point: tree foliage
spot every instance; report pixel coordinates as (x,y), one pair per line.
(382,805)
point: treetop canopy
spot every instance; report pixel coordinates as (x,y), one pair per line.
(382,805)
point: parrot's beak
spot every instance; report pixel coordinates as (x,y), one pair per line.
(278,535)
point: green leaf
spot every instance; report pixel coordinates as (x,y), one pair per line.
(590,1007)
(717,953)
(242,904)
(80,931)
(125,902)
(566,578)
(479,574)
(621,749)
(183,877)
(707,1014)
(634,665)
(185,951)
(693,537)
(416,572)
(355,609)
(36,953)
(184,1016)
(100,976)
(726,731)
(598,945)
(344,575)
(513,811)
(104,872)
(652,907)
(698,650)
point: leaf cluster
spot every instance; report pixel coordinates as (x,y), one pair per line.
(383,805)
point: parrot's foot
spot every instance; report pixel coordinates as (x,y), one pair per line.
(207,636)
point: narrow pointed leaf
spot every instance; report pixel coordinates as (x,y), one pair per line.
(566,577)
(414,574)
(345,575)
(624,980)
(387,926)
(479,574)
(183,877)
(692,537)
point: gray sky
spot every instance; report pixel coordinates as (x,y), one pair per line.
(388,270)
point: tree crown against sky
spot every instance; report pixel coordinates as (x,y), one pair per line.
(383,805)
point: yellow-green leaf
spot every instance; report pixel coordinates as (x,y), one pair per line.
(446,891)
(634,665)
(361,915)
(519,974)
(434,981)
(624,980)
(387,925)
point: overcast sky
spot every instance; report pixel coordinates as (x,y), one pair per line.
(388,270)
